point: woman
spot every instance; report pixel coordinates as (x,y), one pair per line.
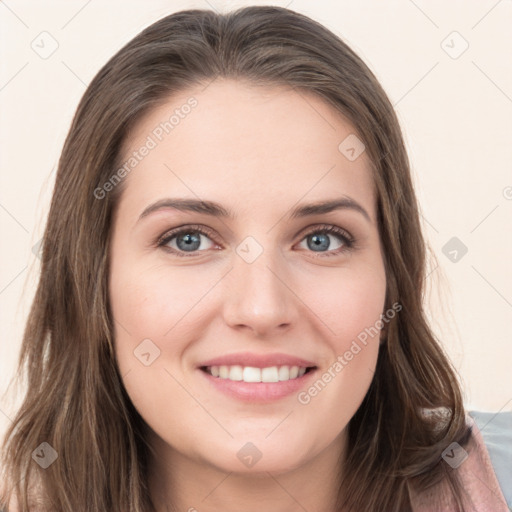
(229,315)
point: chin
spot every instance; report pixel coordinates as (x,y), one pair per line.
(258,457)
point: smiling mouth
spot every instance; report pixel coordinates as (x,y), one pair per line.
(252,374)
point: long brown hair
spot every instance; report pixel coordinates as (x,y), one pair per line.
(75,400)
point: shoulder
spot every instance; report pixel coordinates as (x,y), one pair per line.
(475,472)
(496,432)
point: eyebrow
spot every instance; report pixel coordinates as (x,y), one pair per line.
(216,210)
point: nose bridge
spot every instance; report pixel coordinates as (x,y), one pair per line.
(258,296)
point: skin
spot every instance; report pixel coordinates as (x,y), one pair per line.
(258,152)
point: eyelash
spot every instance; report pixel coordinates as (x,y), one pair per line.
(348,241)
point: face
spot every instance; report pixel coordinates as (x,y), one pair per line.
(258,287)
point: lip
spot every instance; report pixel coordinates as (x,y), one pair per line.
(258,392)
(257,360)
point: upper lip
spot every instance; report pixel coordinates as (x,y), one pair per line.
(257,360)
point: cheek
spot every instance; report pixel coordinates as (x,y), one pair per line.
(350,309)
(151,308)
(349,305)
(151,301)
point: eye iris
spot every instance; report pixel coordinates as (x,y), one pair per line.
(192,242)
(320,241)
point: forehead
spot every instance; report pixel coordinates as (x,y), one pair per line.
(250,147)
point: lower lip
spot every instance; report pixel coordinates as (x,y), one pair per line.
(258,391)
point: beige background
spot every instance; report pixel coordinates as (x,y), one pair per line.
(455,107)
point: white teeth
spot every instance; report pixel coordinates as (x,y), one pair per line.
(284,373)
(270,374)
(252,374)
(223,372)
(236,373)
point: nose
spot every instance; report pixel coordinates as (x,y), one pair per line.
(259,297)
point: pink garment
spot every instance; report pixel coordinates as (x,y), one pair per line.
(478,479)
